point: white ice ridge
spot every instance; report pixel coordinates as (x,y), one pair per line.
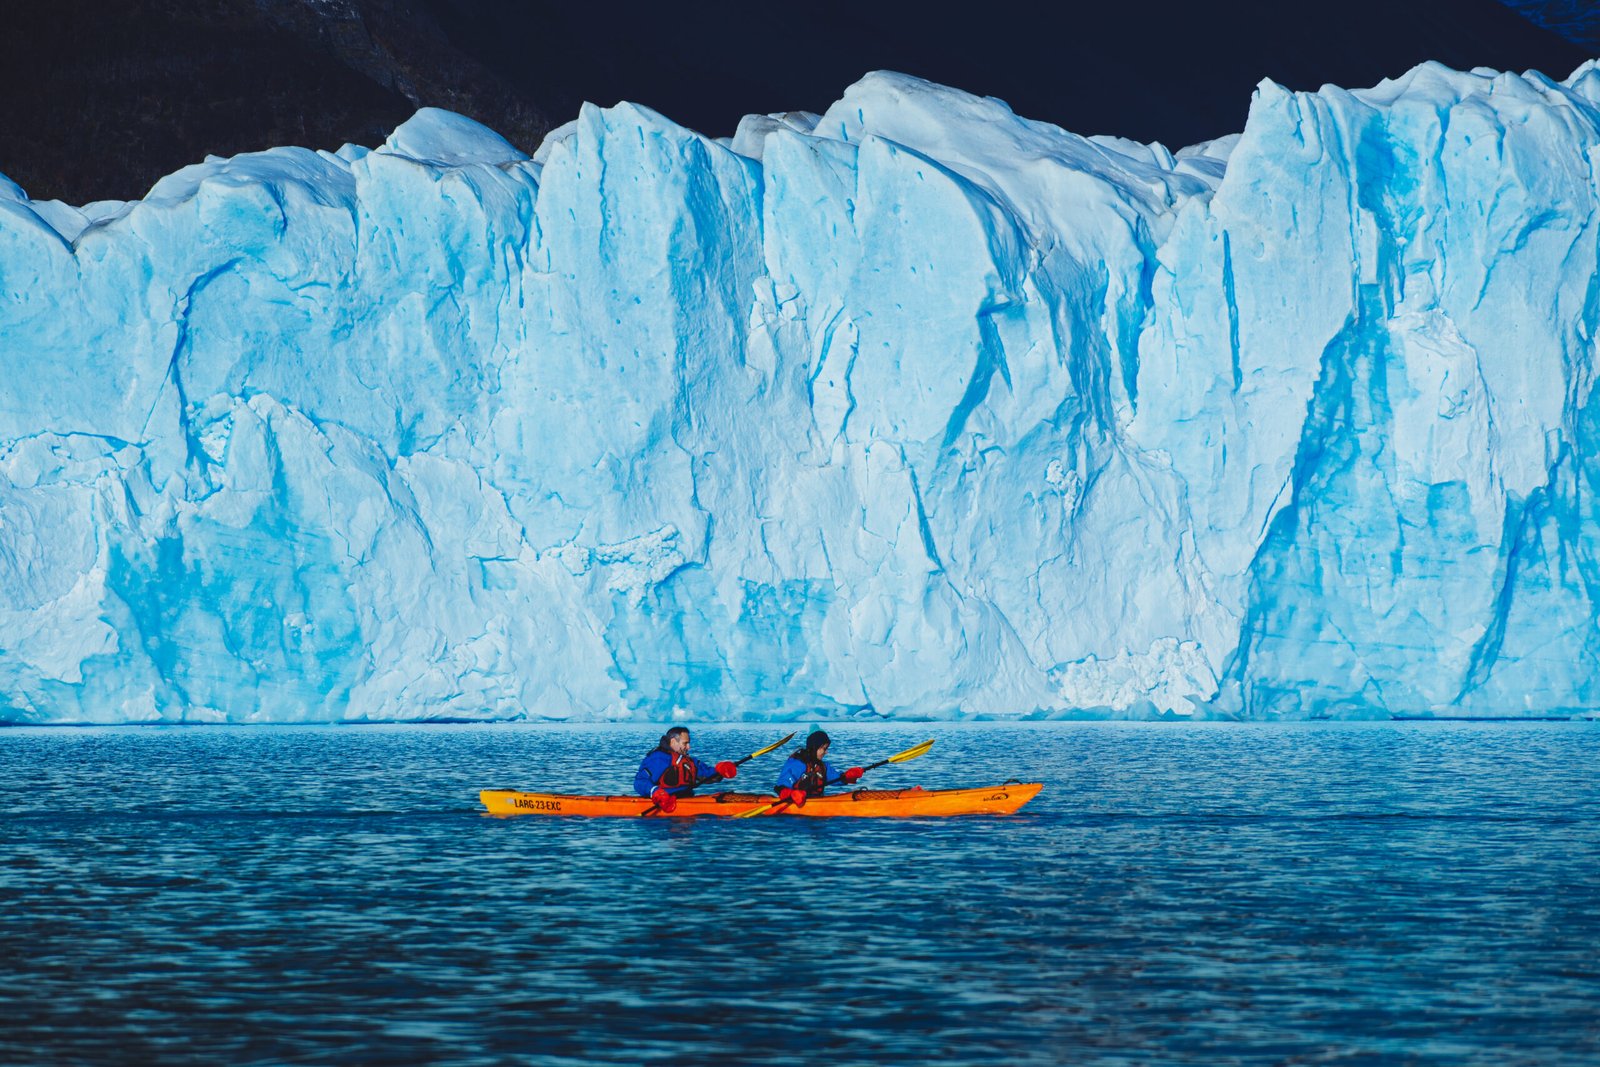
(912,409)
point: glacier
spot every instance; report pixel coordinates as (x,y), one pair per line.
(912,409)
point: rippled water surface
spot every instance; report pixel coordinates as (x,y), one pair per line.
(1395,893)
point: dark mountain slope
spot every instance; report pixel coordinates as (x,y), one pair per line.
(102,97)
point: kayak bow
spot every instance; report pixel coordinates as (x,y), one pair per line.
(859,803)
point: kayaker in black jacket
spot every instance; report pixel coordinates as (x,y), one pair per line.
(805,774)
(666,772)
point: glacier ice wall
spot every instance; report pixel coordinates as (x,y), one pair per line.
(914,408)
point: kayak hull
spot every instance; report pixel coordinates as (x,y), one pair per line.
(859,803)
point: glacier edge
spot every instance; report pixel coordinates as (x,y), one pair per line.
(914,408)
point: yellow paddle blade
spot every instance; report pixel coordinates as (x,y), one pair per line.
(762,810)
(776,744)
(911,753)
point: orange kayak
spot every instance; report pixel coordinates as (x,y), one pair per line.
(860,803)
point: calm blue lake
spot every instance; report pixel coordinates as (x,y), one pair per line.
(1278,894)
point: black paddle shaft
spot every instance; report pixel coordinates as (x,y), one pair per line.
(836,781)
(907,755)
(713,780)
(864,770)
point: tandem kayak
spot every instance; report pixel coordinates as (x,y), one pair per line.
(860,803)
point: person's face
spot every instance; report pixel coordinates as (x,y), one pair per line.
(679,743)
(822,750)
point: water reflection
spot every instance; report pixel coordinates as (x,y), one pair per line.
(1271,894)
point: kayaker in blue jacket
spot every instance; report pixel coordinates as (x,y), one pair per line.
(670,772)
(805,774)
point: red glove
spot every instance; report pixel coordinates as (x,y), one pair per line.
(665,801)
(853,775)
(797,797)
(727,769)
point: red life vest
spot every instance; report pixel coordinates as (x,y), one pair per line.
(681,774)
(815,779)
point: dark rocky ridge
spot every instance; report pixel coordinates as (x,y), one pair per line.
(103,97)
(1576,20)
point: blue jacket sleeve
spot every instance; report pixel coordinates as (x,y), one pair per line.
(703,770)
(789,774)
(644,783)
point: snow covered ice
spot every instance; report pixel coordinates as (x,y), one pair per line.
(914,408)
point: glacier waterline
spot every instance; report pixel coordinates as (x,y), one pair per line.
(912,408)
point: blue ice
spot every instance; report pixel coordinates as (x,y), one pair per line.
(915,408)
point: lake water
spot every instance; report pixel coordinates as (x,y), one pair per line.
(1285,894)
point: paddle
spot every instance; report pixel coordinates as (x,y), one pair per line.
(899,757)
(652,809)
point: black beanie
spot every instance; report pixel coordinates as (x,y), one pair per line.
(816,741)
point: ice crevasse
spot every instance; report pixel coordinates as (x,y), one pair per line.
(912,409)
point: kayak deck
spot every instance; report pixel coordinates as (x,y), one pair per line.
(859,803)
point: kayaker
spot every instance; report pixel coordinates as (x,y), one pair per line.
(670,772)
(806,774)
